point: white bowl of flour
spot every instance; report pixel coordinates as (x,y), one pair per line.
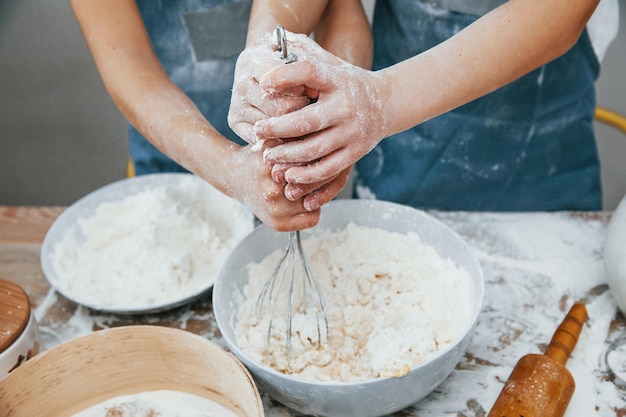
(403,294)
(144,244)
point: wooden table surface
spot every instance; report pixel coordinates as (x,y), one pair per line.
(536,265)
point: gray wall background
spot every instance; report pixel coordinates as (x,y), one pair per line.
(61,135)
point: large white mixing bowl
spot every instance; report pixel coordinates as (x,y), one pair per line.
(370,398)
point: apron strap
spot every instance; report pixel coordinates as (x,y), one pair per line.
(471,7)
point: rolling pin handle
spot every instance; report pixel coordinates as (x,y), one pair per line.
(566,335)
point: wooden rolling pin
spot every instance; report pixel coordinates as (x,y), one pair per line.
(541,385)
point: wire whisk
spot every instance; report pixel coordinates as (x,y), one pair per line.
(293,276)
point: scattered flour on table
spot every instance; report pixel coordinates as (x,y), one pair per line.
(162,403)
(162,244)
(392,303)
(535,266)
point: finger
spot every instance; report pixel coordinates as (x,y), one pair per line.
(241,120)
(278,173)
(296,91)
(311,93)
(293,192)
(308,149)
(277,105)
(323,195)
(248,111)
(327,167)
(312,75)
(306,121)
(242,115)
(250,93)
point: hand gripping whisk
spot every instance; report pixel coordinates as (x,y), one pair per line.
(293,277)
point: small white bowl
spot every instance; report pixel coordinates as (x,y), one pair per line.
(18,326)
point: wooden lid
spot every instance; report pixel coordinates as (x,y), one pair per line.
(14,313)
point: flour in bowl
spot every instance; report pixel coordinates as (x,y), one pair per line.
(392,303)
(163,243)
(162,403)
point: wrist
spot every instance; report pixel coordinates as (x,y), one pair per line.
(387,118)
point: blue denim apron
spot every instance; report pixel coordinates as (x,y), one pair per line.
(197,43)
(527,146)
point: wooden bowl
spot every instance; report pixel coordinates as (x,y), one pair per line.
(127,360)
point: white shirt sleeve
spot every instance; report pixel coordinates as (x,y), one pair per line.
(603,26)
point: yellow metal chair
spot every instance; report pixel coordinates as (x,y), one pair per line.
(130,169)
(611,118)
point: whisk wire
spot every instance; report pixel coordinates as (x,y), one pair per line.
(293,236)
(318,304)
(283,278)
